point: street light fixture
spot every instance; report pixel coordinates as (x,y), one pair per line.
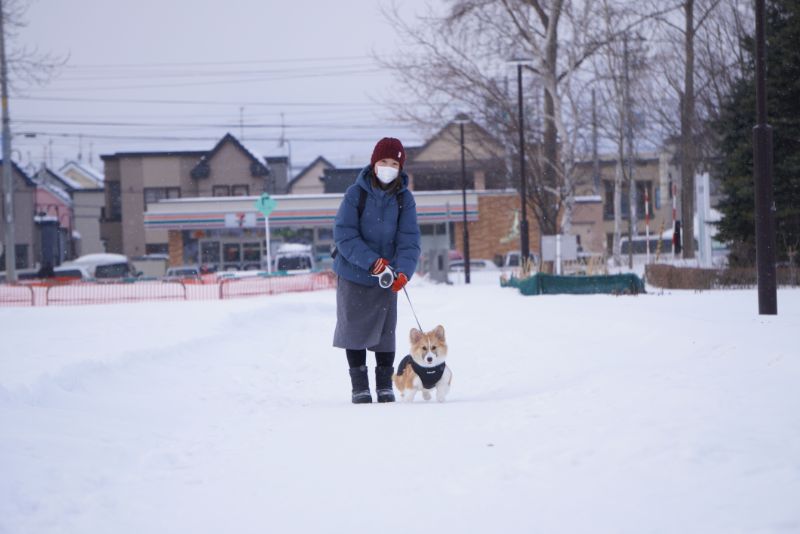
(462,119)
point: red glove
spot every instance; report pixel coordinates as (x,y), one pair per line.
(379,266)
(399,282)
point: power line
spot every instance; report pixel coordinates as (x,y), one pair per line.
(194,63)
(224,82)
(192,102)
(189,138)
(192,125)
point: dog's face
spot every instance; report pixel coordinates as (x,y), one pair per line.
(428,349)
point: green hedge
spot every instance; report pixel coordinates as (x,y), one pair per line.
(551,284)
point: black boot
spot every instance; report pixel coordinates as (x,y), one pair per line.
(360,381)
(383,383)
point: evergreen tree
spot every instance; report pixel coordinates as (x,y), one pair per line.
(735,128)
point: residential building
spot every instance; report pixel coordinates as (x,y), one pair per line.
(309,180)
(136,180)
(83,176)
(24,229)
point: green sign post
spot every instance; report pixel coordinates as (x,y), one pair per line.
(266,204)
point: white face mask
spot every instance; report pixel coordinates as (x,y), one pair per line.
(386,174)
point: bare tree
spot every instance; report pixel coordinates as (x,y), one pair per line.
(460,60)
(621,75)
(27,66)
(701,56)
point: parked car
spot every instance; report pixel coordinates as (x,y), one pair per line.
(103,266)
(183,272)
(512,258)
(457,266)
(71,272)
(294,258)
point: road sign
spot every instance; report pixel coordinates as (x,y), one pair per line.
(265,204)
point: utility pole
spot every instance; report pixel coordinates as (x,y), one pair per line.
(629,155)
(595,157)
(762,159)
(8,178)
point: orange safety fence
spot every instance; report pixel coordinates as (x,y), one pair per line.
(270,285)
(16,295)
(113,292)
(68,293)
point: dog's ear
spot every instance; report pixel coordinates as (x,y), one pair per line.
(415,336)
(439,333)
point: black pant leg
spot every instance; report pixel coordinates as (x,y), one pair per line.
(356,357)
(384,359)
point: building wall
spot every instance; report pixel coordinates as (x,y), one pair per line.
(654,169)
(24,197)
(494,233)
(588,225)
(87,207)
(230,166)
(309,183)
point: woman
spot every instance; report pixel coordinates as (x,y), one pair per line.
(375,231)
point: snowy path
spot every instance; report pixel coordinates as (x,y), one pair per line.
(567,414)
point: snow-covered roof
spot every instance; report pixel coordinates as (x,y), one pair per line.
(100,258)
(86,170)
(56,191)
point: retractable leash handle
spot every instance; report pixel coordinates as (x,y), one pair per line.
(386,279)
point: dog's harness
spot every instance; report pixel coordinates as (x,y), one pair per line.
(430,376)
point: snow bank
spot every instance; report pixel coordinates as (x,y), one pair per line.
(673,412)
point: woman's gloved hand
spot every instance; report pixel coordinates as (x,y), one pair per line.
(399,282)
(379,266)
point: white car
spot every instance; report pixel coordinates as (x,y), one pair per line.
(457,266)
(104,265)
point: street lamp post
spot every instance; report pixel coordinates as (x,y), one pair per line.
(762,159)
(523,225)
(461,119)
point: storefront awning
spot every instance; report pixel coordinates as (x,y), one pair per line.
(291,211)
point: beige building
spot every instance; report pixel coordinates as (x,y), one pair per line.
(136,180)
(654,176)
(24,227)
(309,180)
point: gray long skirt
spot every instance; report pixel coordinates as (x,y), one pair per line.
(366,317)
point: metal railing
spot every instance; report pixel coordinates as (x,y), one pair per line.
(71,293)
(16,295)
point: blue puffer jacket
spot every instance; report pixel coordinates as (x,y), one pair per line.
(378,234)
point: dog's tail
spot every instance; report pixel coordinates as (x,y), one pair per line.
(401,367)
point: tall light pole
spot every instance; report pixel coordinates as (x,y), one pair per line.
(762,163)
(8,178)
(524,244)
(461,119)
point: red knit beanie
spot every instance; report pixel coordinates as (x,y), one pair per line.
(388,148)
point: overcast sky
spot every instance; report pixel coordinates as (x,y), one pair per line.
(204,61)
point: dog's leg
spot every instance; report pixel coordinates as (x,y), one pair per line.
(443,386)
(412,392)
(426,394)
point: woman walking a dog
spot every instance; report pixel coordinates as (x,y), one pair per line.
(377,250)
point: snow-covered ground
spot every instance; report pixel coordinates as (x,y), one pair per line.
(667,413)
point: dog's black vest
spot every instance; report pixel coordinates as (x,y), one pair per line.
(430,376)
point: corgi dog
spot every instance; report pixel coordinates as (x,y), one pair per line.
(424,369)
